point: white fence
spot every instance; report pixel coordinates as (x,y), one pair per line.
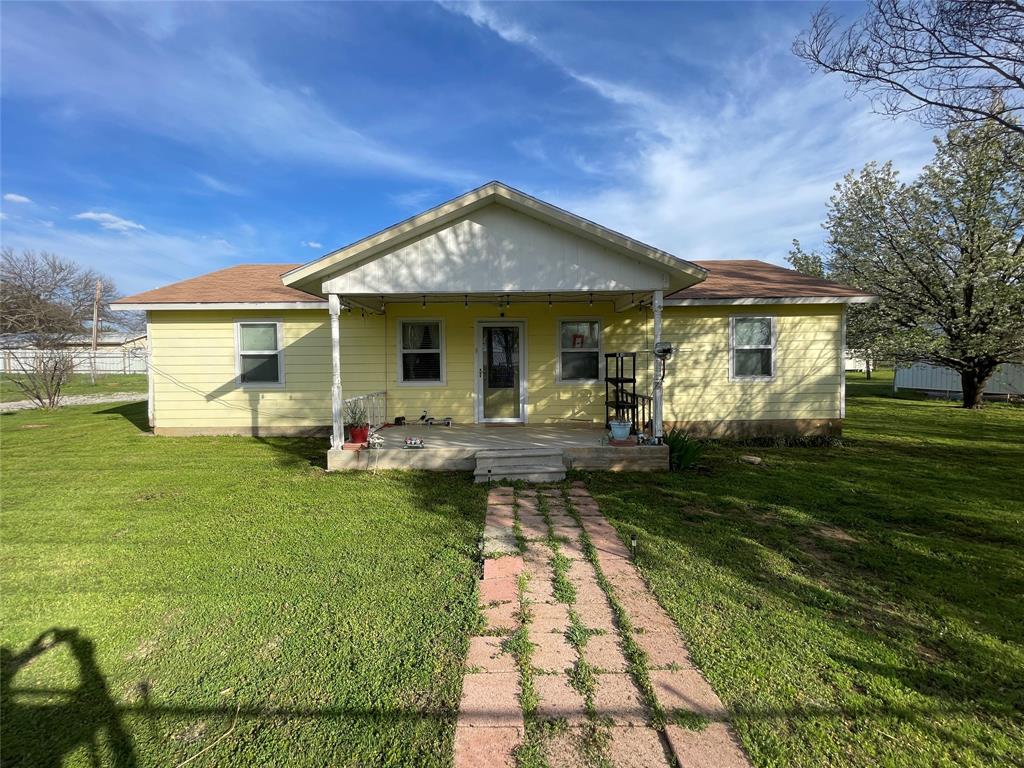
(1007,380)
(108,361)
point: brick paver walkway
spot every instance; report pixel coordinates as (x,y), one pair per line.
(573,634)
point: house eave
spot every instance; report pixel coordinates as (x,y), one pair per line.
(234,305)
(752,300)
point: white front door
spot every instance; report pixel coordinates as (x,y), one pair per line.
(501,371)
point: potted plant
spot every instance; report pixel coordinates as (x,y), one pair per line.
(620,429)
(358,426)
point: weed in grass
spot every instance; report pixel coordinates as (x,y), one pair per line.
(693,721)
(565,591)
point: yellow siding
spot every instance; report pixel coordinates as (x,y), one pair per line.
(194,365)
(194,369)
(547,400)
(808,365)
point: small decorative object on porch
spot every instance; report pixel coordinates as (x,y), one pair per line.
(358,426)
(620,429)
(413,442)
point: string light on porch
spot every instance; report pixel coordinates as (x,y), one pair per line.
(591,299)
(424,304)
(465,301)
(549,301)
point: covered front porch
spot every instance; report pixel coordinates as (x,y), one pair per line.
(497,308)
(576,446)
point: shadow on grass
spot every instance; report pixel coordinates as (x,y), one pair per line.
(136,414)
(43,733)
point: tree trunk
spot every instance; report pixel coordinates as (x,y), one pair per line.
(973,381)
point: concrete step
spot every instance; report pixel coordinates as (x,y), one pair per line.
(528,473)
(518,453)
(495,462)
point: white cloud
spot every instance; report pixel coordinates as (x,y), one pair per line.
(312,244)
(10,197)
(731,172)
(109,221)
(139,259)
(217,185)
(209,96)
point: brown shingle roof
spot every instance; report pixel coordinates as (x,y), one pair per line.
(727,279)
(752,279)
(243,283)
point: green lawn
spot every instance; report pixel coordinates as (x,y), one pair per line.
(174,582)
(80,384)
(855,606)
(859,605)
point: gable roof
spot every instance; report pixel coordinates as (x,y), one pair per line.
(241,284)
(310,276)
(748,280)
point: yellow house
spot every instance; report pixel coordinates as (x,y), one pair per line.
(529,328)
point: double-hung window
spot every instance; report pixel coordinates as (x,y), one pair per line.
(421,352)
(260,353)
(752,347)
(579,350)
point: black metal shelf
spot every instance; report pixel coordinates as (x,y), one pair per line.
(620,399)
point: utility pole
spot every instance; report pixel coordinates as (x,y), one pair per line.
(95,331)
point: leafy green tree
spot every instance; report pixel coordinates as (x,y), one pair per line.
(945,254)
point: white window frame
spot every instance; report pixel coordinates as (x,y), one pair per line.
(279,333)
(559,349)
(773,320)
(399,369)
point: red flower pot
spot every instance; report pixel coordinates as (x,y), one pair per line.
(359,434)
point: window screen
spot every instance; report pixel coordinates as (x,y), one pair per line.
(259,353)
(420,351)
(579,350)
(752,348)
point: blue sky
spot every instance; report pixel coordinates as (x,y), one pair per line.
(160,141)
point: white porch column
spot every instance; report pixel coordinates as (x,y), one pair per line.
(657,302)
(337,421)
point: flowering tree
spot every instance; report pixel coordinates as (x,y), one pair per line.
(945,254)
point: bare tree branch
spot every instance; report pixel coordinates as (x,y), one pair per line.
(943,62)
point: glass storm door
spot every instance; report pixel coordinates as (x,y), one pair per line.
(501,373)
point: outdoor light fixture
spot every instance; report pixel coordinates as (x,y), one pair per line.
(424,305)
(591,299)
(549,301)
(465,300)
(632,545)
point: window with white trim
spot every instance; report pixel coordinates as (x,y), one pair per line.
(579,350)
(420,358)
(260,354)
(752,346)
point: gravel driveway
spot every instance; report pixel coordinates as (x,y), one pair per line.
(118,397)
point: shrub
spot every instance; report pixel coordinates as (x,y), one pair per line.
(355,414)
(683,451)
